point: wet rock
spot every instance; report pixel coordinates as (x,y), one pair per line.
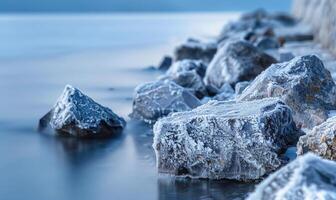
(321,140)
(224,139)
(303,83)
(157,99)
(235,62)
(240,87)
(189,74)
(307,177)
(226,92)
(166,62)
(76,114)
(196,50)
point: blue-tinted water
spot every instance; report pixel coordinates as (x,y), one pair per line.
(104,56)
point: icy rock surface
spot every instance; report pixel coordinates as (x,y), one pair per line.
(226,92)
(196,50)
(236,61)
(78,115)
(321,140)
(224,139)
(240,87)
(307,177)
(157,99)
(189,74)
(303,83)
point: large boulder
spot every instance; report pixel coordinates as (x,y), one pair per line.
(225,140)
(303,83)
(189,74)
(307,177)
(157,99)
(196,50)
(321,140)
(236,61)
(76,114)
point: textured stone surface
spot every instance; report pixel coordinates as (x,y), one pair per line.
(303,83)
(321,140)
(307,177)
(196,50)
(76,114)
(157,99)
(225,140)
(235,62)
(240,87)
(189,74)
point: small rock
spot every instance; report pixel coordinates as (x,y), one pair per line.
(166,62)
(240,87)
(188,65)
(226,92)
(76,114)
(235,62)
(321,140)
(196,50)
(303,83)
(225,140)
(157,99)
(267,43)
(307,177)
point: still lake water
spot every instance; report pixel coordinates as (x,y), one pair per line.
(104,56)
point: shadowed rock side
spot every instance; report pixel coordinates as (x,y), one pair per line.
(157,99)
(303,83)
(307,177)
(76,114)
(236,61)
(225,140)
(321,140)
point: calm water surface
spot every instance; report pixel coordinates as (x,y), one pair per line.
(104,56)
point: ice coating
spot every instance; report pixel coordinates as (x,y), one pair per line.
(78,115)
(321,140)
(307,177)
(157,99)
(225,140)
(303,83)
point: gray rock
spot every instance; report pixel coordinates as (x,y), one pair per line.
(157,99)
(307,177)
(265,43)
(189,74)
(240,87)
(196,50)
(225,140)
(166,62)
(303,83)
(226,92)
(321,140)
(76,114)
(235,62)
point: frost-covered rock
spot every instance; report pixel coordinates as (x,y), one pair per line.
(240,87)
(224,139)
(189,74)
(226,92)
(303,83)
(157,99)
(78,115)
(196,50)
(236,61)
(321,140)
(307,177)
(165,63)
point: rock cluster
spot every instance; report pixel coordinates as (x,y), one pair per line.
(76,114)
(239,141)
(307,177)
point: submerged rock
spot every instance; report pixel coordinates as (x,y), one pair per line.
(78,115)
(235,62)
(225,140)
(166,62)
(196,50)
(157,99)
(189,74)
(307,177)
(303,83)
(321,140)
